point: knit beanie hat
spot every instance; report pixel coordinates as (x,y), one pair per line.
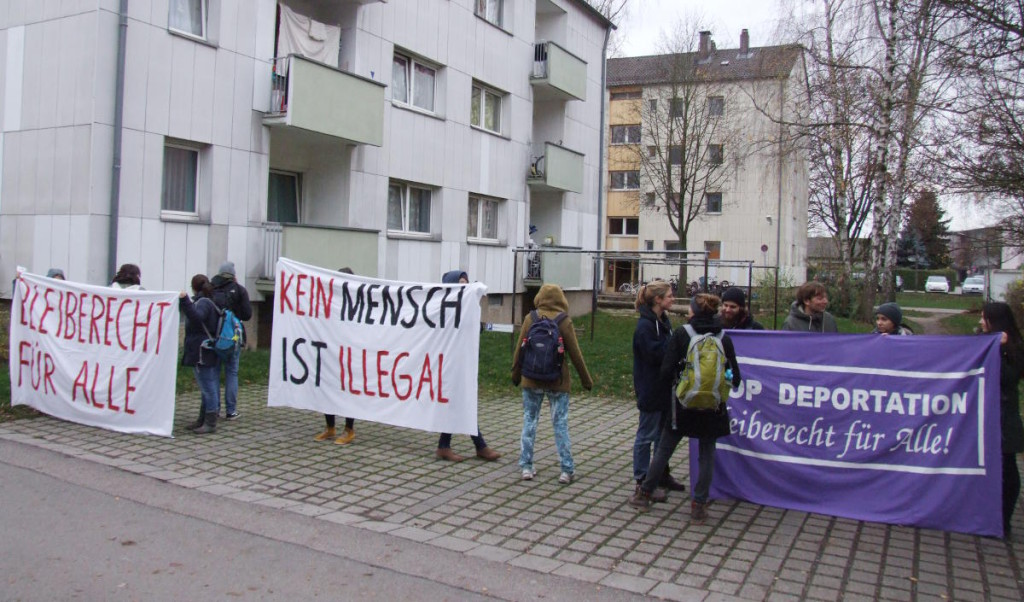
(891,311)
(734,294)
(228,267)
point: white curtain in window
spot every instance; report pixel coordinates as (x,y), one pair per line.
(395,212)
(298,34)
(473,217)
(419,210)
(400,79)
(423,87)
(187,16)
(179,188)
(489,220)
(492,112)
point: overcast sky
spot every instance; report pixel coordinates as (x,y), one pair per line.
(644,27)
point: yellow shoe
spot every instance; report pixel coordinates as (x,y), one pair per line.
(346,437)
(324,436)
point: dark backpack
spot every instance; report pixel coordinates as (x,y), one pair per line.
(228,338)
(542,349)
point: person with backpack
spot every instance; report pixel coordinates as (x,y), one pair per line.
(650,338)
(734,314)
(229,294)
(700,361)
(807,313)
(546,337)
(201,317)
(444,442)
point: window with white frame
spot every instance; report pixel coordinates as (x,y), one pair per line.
(482,220)
(188,16)
(283,195)
(716,106)
(180,181)
(490,10)
(408,208)
(625,134)
(713,202)
(413,82)
(485,108)
(623,226)
(625,180)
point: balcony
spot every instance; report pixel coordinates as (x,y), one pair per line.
(558,169)
(557,74)
(565,266)
(324,246)
(307,96)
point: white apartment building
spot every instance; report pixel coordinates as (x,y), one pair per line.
(401,138)
(758,212)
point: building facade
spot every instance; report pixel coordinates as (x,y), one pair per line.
(402,138)
(754,211)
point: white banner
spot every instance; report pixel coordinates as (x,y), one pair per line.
(100,356)
(401,353)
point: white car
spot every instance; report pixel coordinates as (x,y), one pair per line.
(973,285)
(936,284)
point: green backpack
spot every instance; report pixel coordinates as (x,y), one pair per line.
(701,383)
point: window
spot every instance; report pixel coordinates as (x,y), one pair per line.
(675,155)
(625,180)
(716,154)
(412,82)
(283,197)
(490,10)
(672,245)
(623,226)
(408,208)
(676,109)
(482,221)
(713,202)
(625,134)
(485,109)
(716,106)
(648,245)
(652,151)
(187,16)
(626,95)
(650,199)
(653,105)
(181,175)
(714,249)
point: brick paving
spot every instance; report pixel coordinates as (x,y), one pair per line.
(388,480)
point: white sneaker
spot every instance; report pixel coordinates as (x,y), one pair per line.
(528,474)
(566,477)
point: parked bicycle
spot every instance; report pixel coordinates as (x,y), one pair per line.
(631,288)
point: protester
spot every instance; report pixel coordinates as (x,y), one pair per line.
(55,273)
(329,432)
(705,425)
(653,330)
(444,442)
(889,320)
(549,302)
(201,317)
(128,276)
(807,314)
(996,317)
(734,313)
(229,294)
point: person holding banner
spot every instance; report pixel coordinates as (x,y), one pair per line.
(705,425)
(807,313)
(997,317)
(128,276)
(889,320)
(201,318)
(444,442)
(651,336)
(549,303)
(734,311)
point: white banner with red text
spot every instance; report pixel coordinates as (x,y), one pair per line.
(400,353)
(95,355)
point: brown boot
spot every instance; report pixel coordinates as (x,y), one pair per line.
(327,434)
(488,454)
(698,513)
(346,437)
(446,453)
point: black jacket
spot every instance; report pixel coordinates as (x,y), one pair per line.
(229,294)
(747,323)
(199,313)
(1011,364)
(698,423)
(649,341)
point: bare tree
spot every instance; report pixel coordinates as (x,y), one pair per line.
(615,11)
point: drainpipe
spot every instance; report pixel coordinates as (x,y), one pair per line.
(115,168)
(600,180)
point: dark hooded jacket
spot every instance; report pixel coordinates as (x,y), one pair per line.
(549,302)
(800,321)
(649,341)
(747,323)
(697,423)
(199,312)
(453,277)
(229,294)
(1012,363)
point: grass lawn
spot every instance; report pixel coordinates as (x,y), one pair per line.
(939,300)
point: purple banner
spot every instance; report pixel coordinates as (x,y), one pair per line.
(893,429)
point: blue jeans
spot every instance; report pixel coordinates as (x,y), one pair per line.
(663,453)
(559,400)
(208,379)
(230,383)
(648,432)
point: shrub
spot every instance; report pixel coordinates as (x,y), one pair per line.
(1015,298)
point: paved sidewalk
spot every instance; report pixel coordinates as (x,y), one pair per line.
(387,480)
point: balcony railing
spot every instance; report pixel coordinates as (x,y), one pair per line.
(323,246)
(564,266)
(310,96)
(557,73)
(557,169)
